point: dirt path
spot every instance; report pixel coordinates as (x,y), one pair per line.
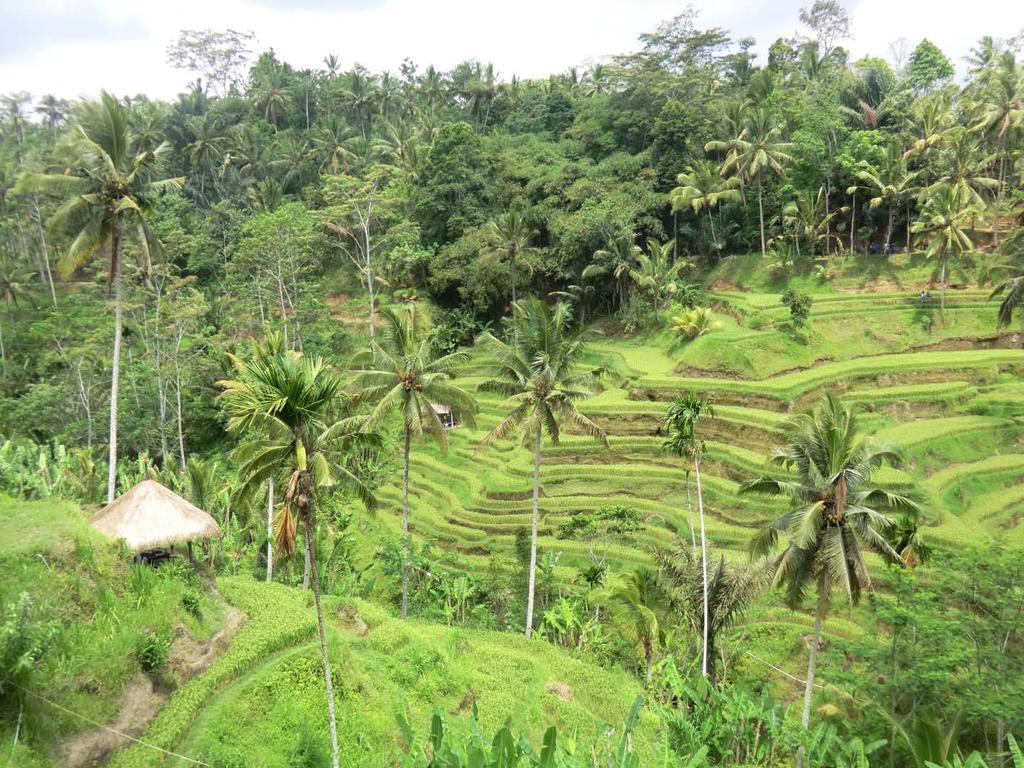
(142,699)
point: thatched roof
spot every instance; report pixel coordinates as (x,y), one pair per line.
(150,515)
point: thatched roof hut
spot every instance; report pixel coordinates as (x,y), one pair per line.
(150,515)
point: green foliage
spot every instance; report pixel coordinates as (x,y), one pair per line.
(24,638)
(799,304)
(151,650)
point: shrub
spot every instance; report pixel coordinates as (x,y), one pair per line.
(190,602)
(695,322)
(799,304)
(151,650)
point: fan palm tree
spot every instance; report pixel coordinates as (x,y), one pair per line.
(943,230)
(284,404)
(834,513)
(509,238)
(681,419)
(731,589)
(639,605)
(108,190)
(403,373)
(538,372)
(702,186)
(619,259)
(656,273)
(757,149)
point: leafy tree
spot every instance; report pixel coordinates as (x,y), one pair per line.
(285,406)
(109,187)
(890,182)
(834,515)
(928,67)
(619,259)
(218,56)
(404,373)
(538,371)
(799,304)
(656,273)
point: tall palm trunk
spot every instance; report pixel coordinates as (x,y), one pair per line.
(760,214)
(888,230)
(325,658)
(689,516)
(649,659)
(406,544)
(812,662)
(115,361)
(532,578)
(703,565)
(714,237)
(853,220)
(270,530)
(942,287)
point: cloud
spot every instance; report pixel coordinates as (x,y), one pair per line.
(30,27)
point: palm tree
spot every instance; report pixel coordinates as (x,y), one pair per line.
(943,229)
(807,215)
(834,514)
(509,236)
(538,372)
(620,259)
(285,405)
(757,149)
(1012,291)
(681,419)
(966,171)
(656,273)
(403,373)
(731,589)
(16,284)
(639,605)
(890,183)
(702,186)
(54,111)
(109,189)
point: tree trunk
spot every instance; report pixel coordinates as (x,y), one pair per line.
(532,578)
(307,566)
(311,558)
(689,516)
(908,226)
(406,543)
(999,195)
(369,273)
(760,215)
(270,530)
(3,354)
(888,231)
(853,220)
(714,237)
(181,416)
(649,658)
(46,250)
(812,662)
(703,565)
(942,287)
(115,361)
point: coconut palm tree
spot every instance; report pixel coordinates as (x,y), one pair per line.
(942,229)
(538,371)
(757,149)
(16,284)
(701,186)
(681,419)
(966,170)
(108,189)
(619,259)
(403,373)
(656,273)
(890,183)
(1012,291)
(731,590)
(285,406)
(834,514)
(509,237)
(809,220)
(639,605)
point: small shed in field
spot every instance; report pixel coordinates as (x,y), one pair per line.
(445,415)
(150,516)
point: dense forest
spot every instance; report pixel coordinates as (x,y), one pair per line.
(457,351)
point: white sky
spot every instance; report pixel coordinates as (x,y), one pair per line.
(74,47)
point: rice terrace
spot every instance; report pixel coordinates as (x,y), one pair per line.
(653,408)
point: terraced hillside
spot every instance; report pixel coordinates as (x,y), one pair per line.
(948,391)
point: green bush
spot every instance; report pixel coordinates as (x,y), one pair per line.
(151,650)
(190,602)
